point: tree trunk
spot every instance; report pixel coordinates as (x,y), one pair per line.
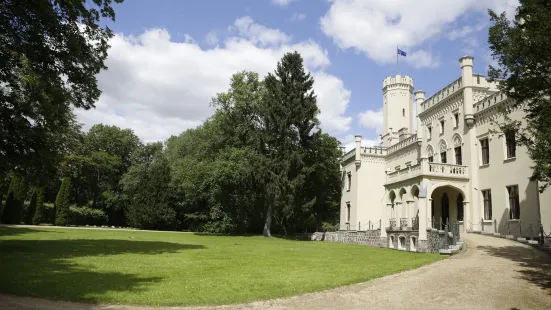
(268,221)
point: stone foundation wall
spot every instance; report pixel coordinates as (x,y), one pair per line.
(436,240)
(410,241)
(369,237)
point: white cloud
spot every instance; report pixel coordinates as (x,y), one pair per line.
(298,16)
(372,119)
(211,38)
(376,27)
(282,2)
(259,34)
(422,59)
(159,87)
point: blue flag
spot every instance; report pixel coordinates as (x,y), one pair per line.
(402,53)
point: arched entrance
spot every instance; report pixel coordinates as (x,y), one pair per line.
(447,205)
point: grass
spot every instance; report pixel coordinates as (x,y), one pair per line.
(161,268)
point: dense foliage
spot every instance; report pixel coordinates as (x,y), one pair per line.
(521,48)
(258,164)
(50,54)
(63,202)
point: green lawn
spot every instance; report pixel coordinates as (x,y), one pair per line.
(161,268)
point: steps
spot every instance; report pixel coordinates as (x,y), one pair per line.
(452,249)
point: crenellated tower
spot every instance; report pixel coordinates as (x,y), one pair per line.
(397,101)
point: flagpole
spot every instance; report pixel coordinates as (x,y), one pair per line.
(397,61)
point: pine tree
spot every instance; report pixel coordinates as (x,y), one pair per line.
(39,211)
(62,203)
(288,113)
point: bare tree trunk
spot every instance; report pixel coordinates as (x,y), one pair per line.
(268,221)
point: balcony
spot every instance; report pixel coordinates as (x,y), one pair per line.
(424,168)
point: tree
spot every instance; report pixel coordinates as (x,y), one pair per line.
(288,115)
(148,191)
(38,216)
(62,203)
(50,54)
(521,48)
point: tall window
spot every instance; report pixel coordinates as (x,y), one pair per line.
(458,158)
(430,132)
(403,112)
(487,197)
(442,126)
(485,151)
(511,144)
(456,117)
(514,205)
(431,159)
(347,212)
(443,158)
(348,181)
(459,204)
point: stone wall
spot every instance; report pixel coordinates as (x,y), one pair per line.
(405,240)
(436,240)
(373,238)
(369,237)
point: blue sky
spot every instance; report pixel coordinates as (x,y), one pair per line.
(168,58)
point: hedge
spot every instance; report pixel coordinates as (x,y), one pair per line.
(86,216)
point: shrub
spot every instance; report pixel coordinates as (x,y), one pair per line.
(86,216)
(13,209)
(329,227)
(38,215)
(62,203)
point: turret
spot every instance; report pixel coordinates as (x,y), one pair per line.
(467,84)
(397,100)
(419,98)
(358,139)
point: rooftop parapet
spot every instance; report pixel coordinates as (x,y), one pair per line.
(397,81)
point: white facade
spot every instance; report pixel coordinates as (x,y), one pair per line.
(453,167)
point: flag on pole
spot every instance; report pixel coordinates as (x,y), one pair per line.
(401,53)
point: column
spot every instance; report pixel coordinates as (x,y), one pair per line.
(385,219)
(409,213)
(423,207)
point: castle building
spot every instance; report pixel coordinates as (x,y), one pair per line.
(446,164)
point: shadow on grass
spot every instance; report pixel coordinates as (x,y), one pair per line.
(539,272)
(42,268)
(13,230)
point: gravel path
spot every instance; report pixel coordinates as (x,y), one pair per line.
(493,273)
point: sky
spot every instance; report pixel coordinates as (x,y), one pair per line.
(169,58)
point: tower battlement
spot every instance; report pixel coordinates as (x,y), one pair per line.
(398,81)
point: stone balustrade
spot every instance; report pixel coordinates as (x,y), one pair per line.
(429,169)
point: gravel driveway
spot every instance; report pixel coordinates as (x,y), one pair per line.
(493,273)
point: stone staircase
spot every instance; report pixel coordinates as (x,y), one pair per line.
(452,249)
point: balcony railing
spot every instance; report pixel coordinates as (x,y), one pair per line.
(426,168)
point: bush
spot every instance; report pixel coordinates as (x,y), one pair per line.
(13,209)
(38,215)
(86,216)
(62,203)
(329,227)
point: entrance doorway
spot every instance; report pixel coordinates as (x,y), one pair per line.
(445,208)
